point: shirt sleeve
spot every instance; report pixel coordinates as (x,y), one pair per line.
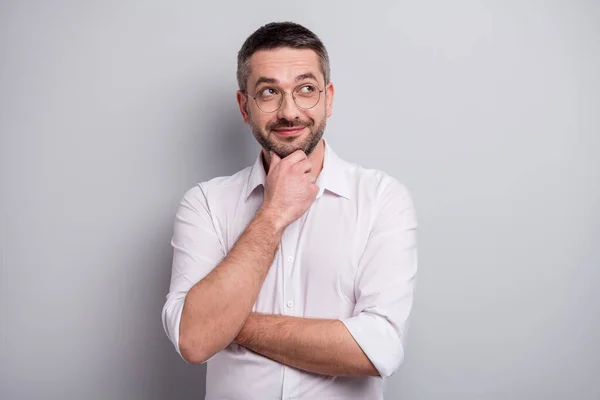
(385,280)
(197,250)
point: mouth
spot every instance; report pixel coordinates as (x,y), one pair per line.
(289,132)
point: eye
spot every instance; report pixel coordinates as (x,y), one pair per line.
(267,93)
(306,89)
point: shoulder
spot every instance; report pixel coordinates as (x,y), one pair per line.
(375,184)
(387,198)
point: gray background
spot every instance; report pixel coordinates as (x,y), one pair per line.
(487,111)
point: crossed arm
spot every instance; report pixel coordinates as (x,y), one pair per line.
(370,343)
(321,346)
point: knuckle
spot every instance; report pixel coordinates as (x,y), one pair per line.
(287,163)
(300,154)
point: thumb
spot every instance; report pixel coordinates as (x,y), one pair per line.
(274,160)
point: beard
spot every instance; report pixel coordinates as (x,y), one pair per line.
(283,147)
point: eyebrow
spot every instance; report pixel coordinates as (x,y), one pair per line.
(308,75)
(264,79)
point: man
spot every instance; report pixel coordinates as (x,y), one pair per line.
(293,278)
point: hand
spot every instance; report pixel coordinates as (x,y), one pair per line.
(290,188)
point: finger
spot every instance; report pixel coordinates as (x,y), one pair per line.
(315,188)
(296,156)
(274,160)
(305,166)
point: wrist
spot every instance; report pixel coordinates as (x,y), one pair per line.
(271,219)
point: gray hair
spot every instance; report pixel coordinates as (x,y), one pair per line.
(277,35)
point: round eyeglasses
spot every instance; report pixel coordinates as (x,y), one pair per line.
(270,99)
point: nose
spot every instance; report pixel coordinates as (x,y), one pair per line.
(288,109)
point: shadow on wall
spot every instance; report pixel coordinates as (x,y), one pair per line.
(226,146)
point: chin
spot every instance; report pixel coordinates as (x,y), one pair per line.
(286,151)
(282,153)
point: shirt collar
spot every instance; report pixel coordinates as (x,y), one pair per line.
(333,176)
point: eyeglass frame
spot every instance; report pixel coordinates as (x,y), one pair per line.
(293,98)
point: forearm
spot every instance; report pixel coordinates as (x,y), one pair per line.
(216,307)
(321,346)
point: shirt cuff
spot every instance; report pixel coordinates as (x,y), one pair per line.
(378,339)
(171,320)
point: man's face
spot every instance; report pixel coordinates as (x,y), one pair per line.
(291,127)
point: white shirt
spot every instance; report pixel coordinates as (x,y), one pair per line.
(352,257)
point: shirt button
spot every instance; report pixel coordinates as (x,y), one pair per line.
(289,304)
(290,259)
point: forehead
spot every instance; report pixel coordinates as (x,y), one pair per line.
(283,64)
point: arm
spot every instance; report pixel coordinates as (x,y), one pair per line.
(216,307)
(211,294)
(384,291)
(207,305)
(319,346)
(385,280)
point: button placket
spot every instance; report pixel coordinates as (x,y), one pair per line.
(287,263)
(290,244)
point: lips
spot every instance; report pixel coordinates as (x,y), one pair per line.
(289,131)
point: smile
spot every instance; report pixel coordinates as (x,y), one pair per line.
(287,132)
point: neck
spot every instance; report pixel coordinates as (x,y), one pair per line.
(317,158)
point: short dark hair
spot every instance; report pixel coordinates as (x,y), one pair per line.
(277,35)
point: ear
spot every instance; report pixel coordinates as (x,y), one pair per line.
(330,91)
(242,100)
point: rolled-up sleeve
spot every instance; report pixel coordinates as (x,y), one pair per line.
(197,250)
(385,280)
